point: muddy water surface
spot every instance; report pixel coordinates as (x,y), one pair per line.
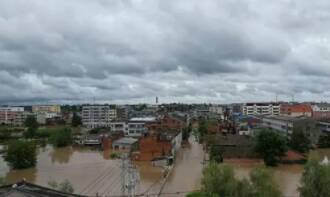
(90,171)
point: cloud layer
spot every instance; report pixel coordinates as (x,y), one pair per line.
(181,51)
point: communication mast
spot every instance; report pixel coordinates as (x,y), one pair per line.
(130,177)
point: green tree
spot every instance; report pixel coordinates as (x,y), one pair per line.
(315,180)
(219,179)
(202,130)
(2,181)
(21,154)
(216,154)
(263,183)
(32,125)
(299,141)
(61,138)
(324,141)
(270,146)
(76,120)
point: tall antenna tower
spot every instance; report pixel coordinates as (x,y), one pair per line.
(129,177)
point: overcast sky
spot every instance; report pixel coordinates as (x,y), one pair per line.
(121,51)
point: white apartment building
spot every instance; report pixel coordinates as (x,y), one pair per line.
(135,127)
(95,116)
(261,109)
(217,109)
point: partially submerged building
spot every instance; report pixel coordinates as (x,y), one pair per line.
(125,144)
(286,125)
(161,144)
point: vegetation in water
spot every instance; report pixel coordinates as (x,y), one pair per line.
(219,180)
(270,146)
(299,141)
(61,138)
(21,154)
(32,125)
(315,180)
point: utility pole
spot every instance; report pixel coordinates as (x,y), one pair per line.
(130,177)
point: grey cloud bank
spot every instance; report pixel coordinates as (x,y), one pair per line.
(182,51)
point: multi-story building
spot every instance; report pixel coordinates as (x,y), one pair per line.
(96,116)
(13,116)
(135,127)
(217,109)
(286,125)
(321,111)
(122,113)
(46,109)
(261,109)
(296,110)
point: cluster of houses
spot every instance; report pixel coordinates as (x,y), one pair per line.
(246,119)
(45,114)
(151,131)
(146,137)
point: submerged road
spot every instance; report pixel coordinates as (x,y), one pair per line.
(187,172)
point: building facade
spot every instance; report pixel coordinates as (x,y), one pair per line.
(261,109)
(321,111)
(135,127)
(12,116)
(286,125)
(296,110)
(46,109)
(96,116)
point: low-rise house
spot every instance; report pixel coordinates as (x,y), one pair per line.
(233,146)
(286,125)
(92,139)
(158,145)
(321,111)
(324,126)
(125,143)
(135,127)
(166,122)
(296,110)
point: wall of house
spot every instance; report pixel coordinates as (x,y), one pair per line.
(150,147)
(321,115)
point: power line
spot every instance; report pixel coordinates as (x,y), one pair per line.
(97,179)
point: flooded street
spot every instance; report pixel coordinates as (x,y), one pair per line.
(187,172)
(90,171)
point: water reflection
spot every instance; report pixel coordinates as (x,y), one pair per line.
(14,176)
(61,155)
(82,166)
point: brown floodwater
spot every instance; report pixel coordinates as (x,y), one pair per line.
(92,171)
(89,170)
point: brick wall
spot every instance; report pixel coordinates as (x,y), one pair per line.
(150,148)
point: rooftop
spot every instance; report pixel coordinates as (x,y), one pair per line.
(143,119)
(24,189)
(125,140)
(285,118)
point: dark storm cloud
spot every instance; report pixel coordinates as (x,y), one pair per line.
(194,51)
